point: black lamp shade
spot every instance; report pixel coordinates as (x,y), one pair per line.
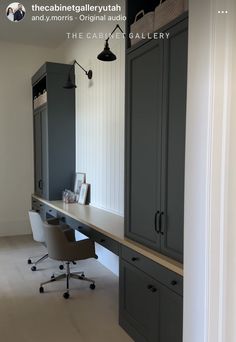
(106,55)
(89,74)
(69,84)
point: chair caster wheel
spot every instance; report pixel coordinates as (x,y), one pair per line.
(61,267)
(53,278)
(33,268)
(66,295)
(41,289)
(29,262)
(92,286)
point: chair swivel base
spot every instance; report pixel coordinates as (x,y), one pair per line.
(67,276)
(34,267)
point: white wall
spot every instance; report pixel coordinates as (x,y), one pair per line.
(17,64)
(229,312)
(100,116)
(209,247)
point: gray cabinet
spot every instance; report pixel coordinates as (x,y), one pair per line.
(149,310)
(40,152)
(155,142)
(54,132)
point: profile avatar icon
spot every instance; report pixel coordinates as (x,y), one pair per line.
(15,12)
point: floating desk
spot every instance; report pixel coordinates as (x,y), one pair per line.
(150,284)
(90,220)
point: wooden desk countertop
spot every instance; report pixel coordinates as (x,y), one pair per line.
(111,225)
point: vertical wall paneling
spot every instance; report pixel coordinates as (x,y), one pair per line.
(100,118)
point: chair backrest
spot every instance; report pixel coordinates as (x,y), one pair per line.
(37,226)
(56,241)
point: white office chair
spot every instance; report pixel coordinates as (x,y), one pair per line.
(38,235)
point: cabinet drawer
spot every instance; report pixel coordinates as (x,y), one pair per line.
(149,311)
(100,238)
(168,278)
(39,208)
(35,205)
(51,211)
(72,222)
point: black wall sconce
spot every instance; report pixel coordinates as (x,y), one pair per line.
(107,55)
(70,84)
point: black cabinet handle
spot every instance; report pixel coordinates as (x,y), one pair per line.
(154,289)
(155,222)
(174,283)
(149,287)
(40,184)
(102,240)
(160,223)
(135,259)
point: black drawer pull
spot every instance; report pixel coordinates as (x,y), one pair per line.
(102,240)
(174,283)
(151,288)
(135,259)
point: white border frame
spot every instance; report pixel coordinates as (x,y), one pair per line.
(83,195)
(79,176)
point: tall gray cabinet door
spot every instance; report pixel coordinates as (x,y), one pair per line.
(44,142)
(143,142)
(139,304)
(38,153)
(173,144)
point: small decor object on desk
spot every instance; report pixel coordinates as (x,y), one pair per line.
(69,197)
(142,26)
(80,179)
(83,193)
(167,11)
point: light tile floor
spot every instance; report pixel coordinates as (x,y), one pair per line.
(28,316)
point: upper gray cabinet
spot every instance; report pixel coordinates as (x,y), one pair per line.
(155,141)
(54,131)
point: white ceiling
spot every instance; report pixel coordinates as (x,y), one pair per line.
(36,33)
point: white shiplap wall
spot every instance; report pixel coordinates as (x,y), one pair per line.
(100,122)
(100,117)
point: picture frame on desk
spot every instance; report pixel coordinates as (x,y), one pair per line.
(83,193)
(80,178)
